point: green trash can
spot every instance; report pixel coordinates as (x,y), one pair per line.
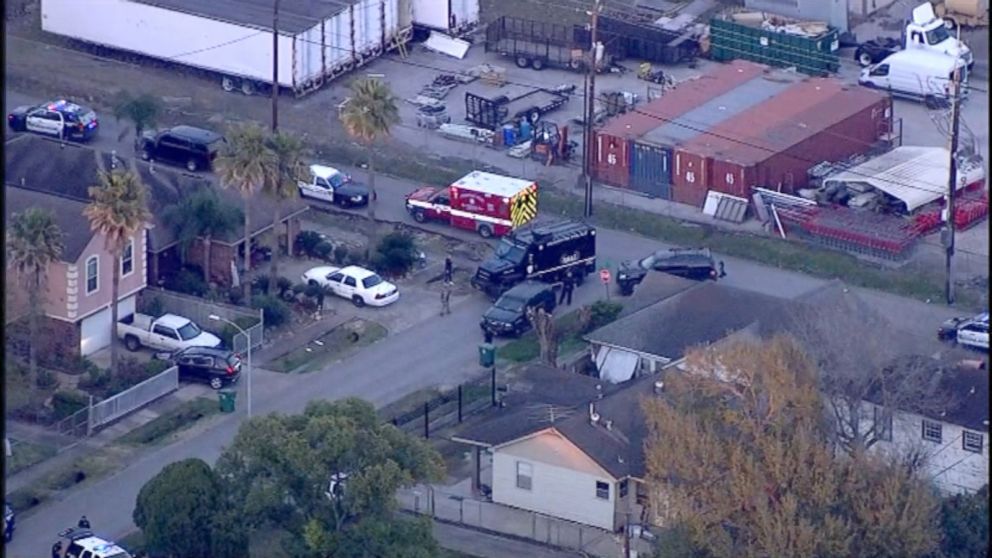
(487,355)
(227,400)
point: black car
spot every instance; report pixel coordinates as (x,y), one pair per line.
(217,367)
(508,315)
(690,263)
(193,148)
(62,119)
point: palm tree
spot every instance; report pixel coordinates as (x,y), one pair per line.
(282,184)
(117,210)
(142,111)
(202,215)
(368,117)
(244,164)
(34,242)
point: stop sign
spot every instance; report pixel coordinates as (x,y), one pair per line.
(604,275)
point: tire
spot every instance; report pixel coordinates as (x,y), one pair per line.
(538,64)
(522,62)
(192,165)
(485,231)
(575,65)
(358,301)
(132,343)
(864,58)
(419,216)
(247,87)
(534,115)
(227,84)
(216,383)
(145,155)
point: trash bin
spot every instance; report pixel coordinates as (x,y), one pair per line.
(487,355)
(227,400)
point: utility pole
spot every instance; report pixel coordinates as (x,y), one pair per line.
(952,179)
(275,66)
(590,110)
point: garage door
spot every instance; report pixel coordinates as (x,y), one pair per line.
(95,329)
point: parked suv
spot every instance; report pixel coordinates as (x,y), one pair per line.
(193,148)
(508,315)
(217,367)
(690,263)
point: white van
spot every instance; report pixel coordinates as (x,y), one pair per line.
(918,75)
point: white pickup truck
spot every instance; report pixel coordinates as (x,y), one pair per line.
(167,333)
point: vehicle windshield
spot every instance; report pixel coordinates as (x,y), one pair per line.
(336,179)
(938,35)
(371,281)
(510,303)
(648,262)
(87,117)
(189,331)
(510,251)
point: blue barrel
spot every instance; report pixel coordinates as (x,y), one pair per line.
(509,135)
(525,130)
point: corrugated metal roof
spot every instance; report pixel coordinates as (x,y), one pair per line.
(295,16)
(713,112)
(682,99)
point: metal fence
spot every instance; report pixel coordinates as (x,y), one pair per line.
(199,310)
(132,399)
(448,408)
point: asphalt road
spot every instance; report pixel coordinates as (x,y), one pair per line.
(438,351)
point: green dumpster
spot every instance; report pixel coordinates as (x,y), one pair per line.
(227,400)
(487,355)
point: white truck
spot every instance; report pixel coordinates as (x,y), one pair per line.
(451,17)
(167,333)
(318,41)
(924,31)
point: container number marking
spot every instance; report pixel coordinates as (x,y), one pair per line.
(690,176)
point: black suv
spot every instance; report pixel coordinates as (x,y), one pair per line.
(215,366)
(193,148)
(508,315)
(690,263)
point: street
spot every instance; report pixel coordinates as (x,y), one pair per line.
(437,351)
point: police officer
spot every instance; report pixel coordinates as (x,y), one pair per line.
(566,289)
(446,298)
(84,523)
(449,267)
(57,549)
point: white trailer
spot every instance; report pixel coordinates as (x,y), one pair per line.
(318,40)
(451,17)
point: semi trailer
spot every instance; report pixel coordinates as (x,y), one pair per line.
(451,17)
(233,39)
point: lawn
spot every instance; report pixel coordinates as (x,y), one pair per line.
(526,347)
(332,345)
(26,454)
(176,420)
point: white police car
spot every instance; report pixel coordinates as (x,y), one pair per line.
(84,544)
(61,119)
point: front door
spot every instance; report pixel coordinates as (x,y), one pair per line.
(318,189)
(440,206)
(163,337)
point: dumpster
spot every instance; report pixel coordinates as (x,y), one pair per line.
(487,355)
(227,400)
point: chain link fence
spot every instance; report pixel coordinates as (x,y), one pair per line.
(157,301)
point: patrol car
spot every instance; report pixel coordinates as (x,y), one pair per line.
(62,119)
(83,543)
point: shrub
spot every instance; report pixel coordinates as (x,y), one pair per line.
(299,288)
(323,250)
(95,381)
(305,242)
(236,295)
(283,284)
(154,307)
(66,403)
(274,310)
(340,254)
(45,379)
(260,284)
(603,313)
(396,253)
(188,281)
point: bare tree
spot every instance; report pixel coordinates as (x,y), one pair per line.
(547,334)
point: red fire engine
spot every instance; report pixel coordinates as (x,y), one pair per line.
(487,203)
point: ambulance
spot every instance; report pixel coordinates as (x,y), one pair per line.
(489,204)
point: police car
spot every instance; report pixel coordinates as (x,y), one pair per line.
(61,119)
(83,543)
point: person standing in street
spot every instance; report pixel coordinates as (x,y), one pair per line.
(446,298)
(722,272)
(449,268)
(84,523)
(566,289)
(57,549)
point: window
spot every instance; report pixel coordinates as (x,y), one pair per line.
(336,277)
(880,70)
(525,473)
(127,259)
(623,488)
(350,281)
(602,490)
(972,441)
(92,274)
(883,424)
(165,332)
(932,431)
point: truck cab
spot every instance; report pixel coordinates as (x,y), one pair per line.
(333,186)
(429,204)
(926,31)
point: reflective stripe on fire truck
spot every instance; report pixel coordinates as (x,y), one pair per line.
(524,206)
(466,214)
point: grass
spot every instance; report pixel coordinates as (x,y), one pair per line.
(88,468)
(176,420)
(526,348)
(332,345)
(26,454)
(794,256)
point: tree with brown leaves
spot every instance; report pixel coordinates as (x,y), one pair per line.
(547,334)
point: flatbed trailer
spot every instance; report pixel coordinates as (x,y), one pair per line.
(542,44)
(492,112)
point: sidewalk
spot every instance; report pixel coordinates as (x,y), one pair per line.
(486,545)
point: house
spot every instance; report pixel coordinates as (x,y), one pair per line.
(574,453)
(682,315)
(77,298)
(68,170)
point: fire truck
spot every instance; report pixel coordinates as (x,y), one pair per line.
(487,203)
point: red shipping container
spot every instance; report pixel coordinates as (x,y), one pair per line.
(611,147)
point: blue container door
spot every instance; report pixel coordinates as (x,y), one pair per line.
(651,170)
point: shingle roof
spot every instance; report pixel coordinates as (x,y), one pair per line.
(295,16)
(68,214)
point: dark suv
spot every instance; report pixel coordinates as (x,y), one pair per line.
(690,263)
(217,367)
(508,315)
(193,148)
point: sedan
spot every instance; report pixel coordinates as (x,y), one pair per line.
(61,119)
(357,284)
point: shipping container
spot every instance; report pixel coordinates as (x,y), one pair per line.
(318,41)
(750,40)
(633,125)
(452,17)
(651,170)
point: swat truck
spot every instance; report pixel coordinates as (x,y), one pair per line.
(542,252)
